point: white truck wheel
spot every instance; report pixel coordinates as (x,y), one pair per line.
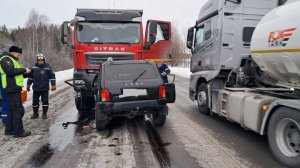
(284,136)
(202,99)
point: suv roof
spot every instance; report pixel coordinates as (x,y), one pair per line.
(117,75)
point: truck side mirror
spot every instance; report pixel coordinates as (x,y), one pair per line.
(152,32)
(190,38)
(64,32)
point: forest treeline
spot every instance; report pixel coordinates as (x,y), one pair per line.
(37,36)
(40,36)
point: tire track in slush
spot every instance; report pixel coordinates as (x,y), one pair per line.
(153,139)
(158,147)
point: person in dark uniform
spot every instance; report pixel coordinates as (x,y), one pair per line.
(4,97)
(12,76)
(164,71)
(40,77)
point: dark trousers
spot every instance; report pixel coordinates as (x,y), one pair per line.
(15,114)
(36,98)
(165,79)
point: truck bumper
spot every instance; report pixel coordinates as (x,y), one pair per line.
(84,93)
(82,75)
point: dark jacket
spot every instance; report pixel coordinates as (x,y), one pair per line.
(10,71)
(40,77)
(164,68)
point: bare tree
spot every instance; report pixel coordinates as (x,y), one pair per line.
(38,36)
(5,39)
(178,46)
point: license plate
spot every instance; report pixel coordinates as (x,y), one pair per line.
(133,92)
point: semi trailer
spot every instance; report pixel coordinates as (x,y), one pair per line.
(246,67)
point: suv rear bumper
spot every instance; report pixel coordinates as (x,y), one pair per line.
(124,108)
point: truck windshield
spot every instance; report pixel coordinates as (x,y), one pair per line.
(112,33)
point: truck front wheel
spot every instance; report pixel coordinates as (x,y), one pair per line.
(202,99)
(284,136)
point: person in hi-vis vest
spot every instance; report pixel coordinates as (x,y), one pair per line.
(12,77)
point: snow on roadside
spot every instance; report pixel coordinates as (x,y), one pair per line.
(180,71)
(64,75)
(60,76)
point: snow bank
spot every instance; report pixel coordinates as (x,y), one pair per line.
(184,72)
(64,75)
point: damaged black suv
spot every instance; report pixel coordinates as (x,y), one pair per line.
(131,88)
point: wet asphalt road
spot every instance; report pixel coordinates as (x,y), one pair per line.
(137,143)
(247,144)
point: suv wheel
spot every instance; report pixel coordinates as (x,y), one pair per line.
(159,118)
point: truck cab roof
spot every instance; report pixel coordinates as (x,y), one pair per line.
(108,14)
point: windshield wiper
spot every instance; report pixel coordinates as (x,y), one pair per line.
(119,43)
(139,76)
(93,42)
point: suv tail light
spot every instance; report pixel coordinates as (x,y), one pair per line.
(104,93)
(162,92)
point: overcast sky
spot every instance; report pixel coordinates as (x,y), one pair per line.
(183,13)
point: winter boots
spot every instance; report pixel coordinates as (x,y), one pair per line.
(35,112)
(45,110)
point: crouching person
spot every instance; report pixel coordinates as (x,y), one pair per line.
(164,71)
(40,77)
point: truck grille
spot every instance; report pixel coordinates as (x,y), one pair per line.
(97,59)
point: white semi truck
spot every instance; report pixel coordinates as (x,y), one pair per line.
(246,67)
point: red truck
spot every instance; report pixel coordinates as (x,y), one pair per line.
(98,34)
